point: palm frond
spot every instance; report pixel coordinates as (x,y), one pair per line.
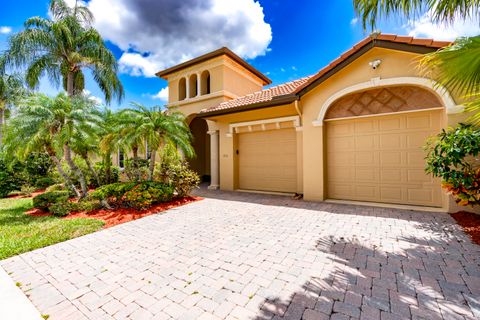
(371,11)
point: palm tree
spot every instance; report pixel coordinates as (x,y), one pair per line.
(457,66)
(109,140)
(11,89)
(371,11)
(158,128)
(52,125)
(62,48)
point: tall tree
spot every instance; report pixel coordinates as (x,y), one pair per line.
(457,66)
(62,47)
(50,125)
(157,128)
(11,90)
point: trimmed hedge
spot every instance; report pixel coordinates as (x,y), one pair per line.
(135,195)
(46,200)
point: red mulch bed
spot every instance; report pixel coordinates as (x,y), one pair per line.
(470,222)
(112,217)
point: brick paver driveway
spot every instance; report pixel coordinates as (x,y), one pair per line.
(243,256)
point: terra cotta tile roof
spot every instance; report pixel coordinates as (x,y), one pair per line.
(294,87)
(261,96)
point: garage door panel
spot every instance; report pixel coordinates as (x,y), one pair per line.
(365,142)
(366,191)
(390,125)
(391,158)
(366,174)
(392,194)
(394,175)
(386,161)
(346,173)
(267,160)
(366,126)
(391,141)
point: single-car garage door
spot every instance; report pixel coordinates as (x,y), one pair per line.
(267,160)
(380,159)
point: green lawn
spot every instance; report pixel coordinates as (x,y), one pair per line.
(20,232)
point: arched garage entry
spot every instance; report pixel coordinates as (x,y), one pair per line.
(374,141)
(201,144)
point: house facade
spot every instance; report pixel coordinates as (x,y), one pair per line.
(353,132)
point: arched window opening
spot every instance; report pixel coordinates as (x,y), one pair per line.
(192,85)
(182,89)
(205,83)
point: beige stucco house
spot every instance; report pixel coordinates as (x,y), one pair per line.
(352,132)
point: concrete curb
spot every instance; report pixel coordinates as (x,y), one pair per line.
(14,305)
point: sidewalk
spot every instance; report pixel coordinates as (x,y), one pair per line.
(14,305)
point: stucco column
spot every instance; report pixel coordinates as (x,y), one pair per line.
(187,87)
(214,160)
(198,84)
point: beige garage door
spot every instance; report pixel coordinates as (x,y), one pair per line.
(267,160)
(380,159)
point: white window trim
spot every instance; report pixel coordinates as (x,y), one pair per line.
(233,128)
(442,93)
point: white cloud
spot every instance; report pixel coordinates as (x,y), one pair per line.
(354,21)
(157,34)
(162,95)
(5,29)
(424,27)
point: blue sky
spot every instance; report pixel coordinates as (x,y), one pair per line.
(284,39)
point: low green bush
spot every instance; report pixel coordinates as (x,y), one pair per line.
(145,194)
(10,179)
(60,209)
(183,179)
(136,169)
(56,187)
(105,177)
(27,190)
(47,199)
(453,157)
(44,182)
(136,195)
(114,190)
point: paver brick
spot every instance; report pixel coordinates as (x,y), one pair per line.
(250,256)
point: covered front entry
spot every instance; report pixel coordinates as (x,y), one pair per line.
(380,158)
(267,160)
(201,144)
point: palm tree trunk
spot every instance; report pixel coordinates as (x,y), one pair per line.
(152,164)
(70,83)
(68,181)
(92,170)
(81,178)
(135,151)
(2,123)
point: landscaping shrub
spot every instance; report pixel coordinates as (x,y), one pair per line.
(60,209)
(47,199)
(180,176)
(27,190)
(36,167)
(10,179)
(145,194)
(136,169)
(136,195)
(452,156)
(103,175)
(44,182)
(56,187)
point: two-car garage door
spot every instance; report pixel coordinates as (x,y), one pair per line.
(380,159)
